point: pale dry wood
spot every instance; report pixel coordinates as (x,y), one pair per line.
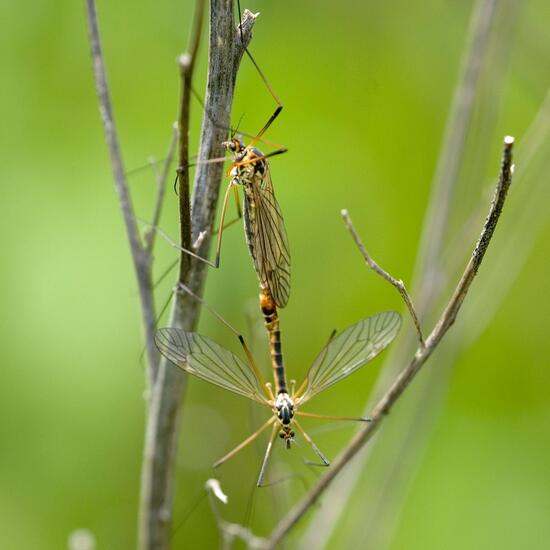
(397,283)
(140,256)
(162,179)
(227,46)
(427,286)
(158,475)
(405,377)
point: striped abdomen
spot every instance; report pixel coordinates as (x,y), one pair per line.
(271,319)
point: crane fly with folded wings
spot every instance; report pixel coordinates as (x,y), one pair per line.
(264,228)
(343,354)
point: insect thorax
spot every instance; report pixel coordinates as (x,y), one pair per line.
(284,407)
(253,172)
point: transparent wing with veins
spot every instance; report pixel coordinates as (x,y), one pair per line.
(268,242)
(202,357)
(349,351)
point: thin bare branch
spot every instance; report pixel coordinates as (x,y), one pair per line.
(186,63)
(140,256)
(397,283)
(162,179)
(406,376)
(429,280)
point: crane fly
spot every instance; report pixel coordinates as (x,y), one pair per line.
(342,355)
(263,220)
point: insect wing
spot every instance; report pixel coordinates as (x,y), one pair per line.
(201,357)
(350,350)
(267,240)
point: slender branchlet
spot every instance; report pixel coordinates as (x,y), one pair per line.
(405,377)
(397,283)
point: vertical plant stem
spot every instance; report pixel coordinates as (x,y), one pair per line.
(140,256)
(158,475)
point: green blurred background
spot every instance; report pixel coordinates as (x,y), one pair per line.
(366,88)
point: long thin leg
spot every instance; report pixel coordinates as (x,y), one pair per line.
(173,243)
(204,161)
(255,159)
(267,453)
(331,417)
(231,131)
(182,288)
(273,94)
(268,123)
(222,218)
(238,202)
(165,273)
(248,440)
(240,21)
(163,310)
(216,263)
(312,445)
(268,86)
(239,212)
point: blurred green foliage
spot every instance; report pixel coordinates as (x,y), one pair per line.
(366,87)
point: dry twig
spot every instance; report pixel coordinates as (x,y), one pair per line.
(397,283)
(166,382)
(225,52)
(140,255)
(428,281)
(406,376)
(162,179)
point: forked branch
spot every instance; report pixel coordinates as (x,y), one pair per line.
(225,53)
(140,256)
(422,354)
(397,283)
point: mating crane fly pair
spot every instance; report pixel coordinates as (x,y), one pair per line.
(268,246)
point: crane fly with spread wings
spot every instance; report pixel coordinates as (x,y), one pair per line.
(343,355)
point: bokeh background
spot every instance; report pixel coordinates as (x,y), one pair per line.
(366,88)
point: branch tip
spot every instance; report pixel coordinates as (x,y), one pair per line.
(422,354)
(397,283)
(184,61)
(213,486)
(248,14)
